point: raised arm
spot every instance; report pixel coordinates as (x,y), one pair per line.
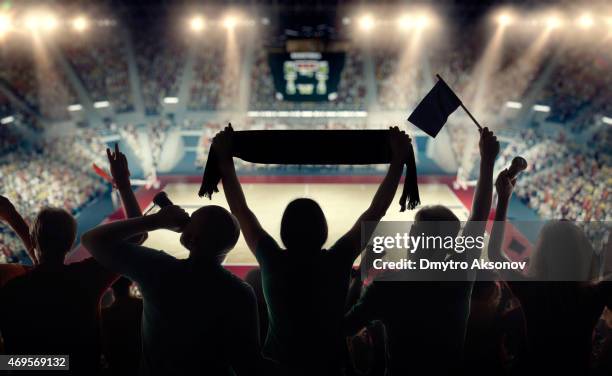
(249,224)
(504,186)
(400,144)
(483,195)
(11,216)
(109,243)
(121,176)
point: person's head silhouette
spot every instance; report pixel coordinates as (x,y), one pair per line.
(121,288)
(562,253)
(210,233)
(53,235)
(303,226)
(437,222)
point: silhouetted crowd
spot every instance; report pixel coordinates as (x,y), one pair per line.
(304,310)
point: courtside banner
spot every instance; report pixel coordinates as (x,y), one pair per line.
(468,251)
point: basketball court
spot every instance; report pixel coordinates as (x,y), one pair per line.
(342,204)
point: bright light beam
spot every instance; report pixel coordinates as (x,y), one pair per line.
(366,23)
(80,23)
(230,22)
(5,24)
(585,21)
(504,19)
(196,24)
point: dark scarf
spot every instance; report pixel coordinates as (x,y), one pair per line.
(325,147)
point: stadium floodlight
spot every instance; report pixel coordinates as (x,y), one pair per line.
(49,22)
(515,105)
(423,21)
(196,23)
(7,120)
(32,22)
(101,104)
(585,21)
(504,19)
(230,22)
(553,22)
(80,23)
(366,23)
(541,108)
(606,120)
(171,100)
(405,22)
(75,107)
(5,24)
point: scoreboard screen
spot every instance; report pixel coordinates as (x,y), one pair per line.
(306,76)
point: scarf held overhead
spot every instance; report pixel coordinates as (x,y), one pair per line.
(314,147)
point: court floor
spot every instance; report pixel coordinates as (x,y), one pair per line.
(341,203)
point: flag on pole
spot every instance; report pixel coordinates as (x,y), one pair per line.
(431,114)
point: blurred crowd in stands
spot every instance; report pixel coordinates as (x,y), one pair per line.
(160,60)
(56,173)
(573,80)
(100,62)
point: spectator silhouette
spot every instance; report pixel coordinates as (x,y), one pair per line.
(53,308)
(198,318)
(305,286)
(496,338)
(253,278)
(561,302)
(121,330)
(426,319)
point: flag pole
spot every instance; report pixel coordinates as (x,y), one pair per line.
(461,104)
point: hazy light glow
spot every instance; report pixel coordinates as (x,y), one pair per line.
(515,105)
(553,22)
(366,23)
(32,22)
(75,107)
(196,23)
(5,23)
(504,19)
(423,21)
(49,22)
(80,23)
(101,104)
(171,100)
(405,22)
(541,108)
(7,120)
(585,21)
(607,120)
(230,22)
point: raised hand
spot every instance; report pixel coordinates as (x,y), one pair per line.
(400,144)
(223,142)
(504,185)
(118,166)
(488,144)
(6,207)
(172,217)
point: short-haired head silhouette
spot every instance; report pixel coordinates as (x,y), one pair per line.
(121,287)
(211,233)
(53,234)
(562,252)
(434,220)
(303,226)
